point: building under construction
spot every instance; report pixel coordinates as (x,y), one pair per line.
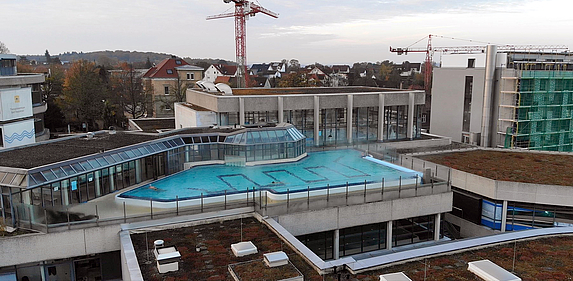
(510,99)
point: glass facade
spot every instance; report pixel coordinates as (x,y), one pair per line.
(332,123)
(59,185)
(364,238)
(412,230)
(320,243)
(371,237)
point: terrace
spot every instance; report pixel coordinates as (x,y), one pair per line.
(214,257)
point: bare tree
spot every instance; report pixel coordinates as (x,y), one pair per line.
(177,93)
(128,87)
(3,48)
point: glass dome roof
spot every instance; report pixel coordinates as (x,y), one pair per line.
(257,136)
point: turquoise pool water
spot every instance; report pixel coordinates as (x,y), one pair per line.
(316,171)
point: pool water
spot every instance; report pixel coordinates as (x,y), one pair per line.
(316,171)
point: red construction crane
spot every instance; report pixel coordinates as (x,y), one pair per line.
(243,9)
(429,50)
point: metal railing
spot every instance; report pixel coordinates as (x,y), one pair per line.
(106,212)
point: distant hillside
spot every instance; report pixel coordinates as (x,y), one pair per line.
(111,58)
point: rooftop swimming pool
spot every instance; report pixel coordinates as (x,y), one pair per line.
(316,171)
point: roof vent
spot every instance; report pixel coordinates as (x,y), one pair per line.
(158,244)
(209,86)
(224,88)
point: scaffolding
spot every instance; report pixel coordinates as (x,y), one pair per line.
(535,110)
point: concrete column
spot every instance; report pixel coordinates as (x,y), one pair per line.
(389,235)
(503,215)
(437,227)
(241,111)
(112,180)
(316,120)
(349,105)
(97,184)
(280,109)
(336,250)
(64,188)
(138,170)
(381,117)
(411,107)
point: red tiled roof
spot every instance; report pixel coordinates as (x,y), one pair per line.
(160,71)
(222,79)
(226,69)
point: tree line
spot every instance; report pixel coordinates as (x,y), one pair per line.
(88,96)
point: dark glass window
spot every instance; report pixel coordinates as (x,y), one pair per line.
(467,103)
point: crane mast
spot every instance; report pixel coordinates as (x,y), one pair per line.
(243,9)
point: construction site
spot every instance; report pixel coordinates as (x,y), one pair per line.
(536,104)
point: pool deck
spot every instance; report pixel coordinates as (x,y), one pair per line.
(319,184)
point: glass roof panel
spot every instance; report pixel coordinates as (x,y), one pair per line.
(38,178)
(2,175)
(264,136)
(8,178)
(48,175)
(229,139)
(250,138)
(272,136)
(124,155)
(18,179)
(85,165)
(289,137)
(116,158)
(156,147)
(69,170)
(143,151)
(178,141)
(102,161)
(94,163)
(59,172)
(130,154)
(136,152)
(281,135)
(77,167)
(205,139)
(161,145)
(238,138)
(172,143)
(244,138)
(256,137)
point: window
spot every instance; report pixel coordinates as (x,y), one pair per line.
(471,63)
(190,76)
(169,71)
(177,62)
(467,103)
(167,90)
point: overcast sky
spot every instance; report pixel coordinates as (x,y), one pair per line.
(325,31)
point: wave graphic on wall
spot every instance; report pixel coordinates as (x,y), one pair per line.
(20,137)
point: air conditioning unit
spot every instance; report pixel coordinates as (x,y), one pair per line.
(167,257)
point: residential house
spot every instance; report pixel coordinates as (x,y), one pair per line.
(270,70)
(317,76)
(214,73)
(167,83)
(339,75)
